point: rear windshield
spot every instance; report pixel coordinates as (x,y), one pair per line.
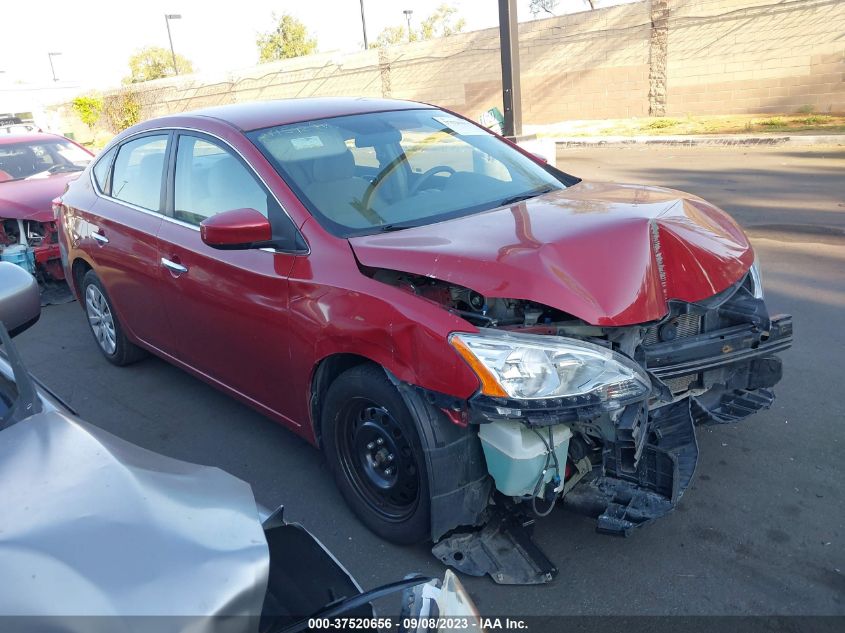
(366,173)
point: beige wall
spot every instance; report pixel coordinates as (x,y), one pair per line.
(727,56)
(721,56)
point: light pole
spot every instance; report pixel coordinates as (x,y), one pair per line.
(50,56)
(511,91)
(408,13)
(167,18)
(364,25)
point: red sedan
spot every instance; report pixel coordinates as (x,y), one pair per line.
(454,322)
(34,169)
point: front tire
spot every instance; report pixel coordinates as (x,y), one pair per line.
(374,451)
(105,327)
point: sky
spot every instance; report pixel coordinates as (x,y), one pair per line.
(96,37)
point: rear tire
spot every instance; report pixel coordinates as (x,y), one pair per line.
(105,327)
(374,451)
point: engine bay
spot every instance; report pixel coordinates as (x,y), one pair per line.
(33,246)
(710,362)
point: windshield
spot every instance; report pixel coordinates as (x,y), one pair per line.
(366,173)
(35,158)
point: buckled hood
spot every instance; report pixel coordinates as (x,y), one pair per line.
(608,254)
(32,198)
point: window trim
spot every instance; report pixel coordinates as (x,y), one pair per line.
(104,157)
(110,177)
(172,131)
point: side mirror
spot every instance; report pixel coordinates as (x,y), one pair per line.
(236,229)
(20,300)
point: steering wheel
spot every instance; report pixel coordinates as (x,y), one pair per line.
(437,169)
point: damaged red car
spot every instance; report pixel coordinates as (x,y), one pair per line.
(470,335)
(34,169)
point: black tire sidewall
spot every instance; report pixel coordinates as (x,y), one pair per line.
(370,381)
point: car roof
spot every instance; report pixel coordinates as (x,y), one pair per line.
(260,114)
(29,137)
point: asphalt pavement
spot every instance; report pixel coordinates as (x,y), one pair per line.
(760,531)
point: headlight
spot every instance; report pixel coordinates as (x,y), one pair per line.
(756,280)
(531,367)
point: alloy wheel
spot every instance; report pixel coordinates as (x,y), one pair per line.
(100,318)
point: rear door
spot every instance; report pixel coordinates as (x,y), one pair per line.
(227,308)
(122,234)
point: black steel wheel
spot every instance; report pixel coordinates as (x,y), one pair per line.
(373,448)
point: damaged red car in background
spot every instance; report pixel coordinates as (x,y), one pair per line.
(469,334)
(34,169)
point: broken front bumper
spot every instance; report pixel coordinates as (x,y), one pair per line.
(637,462)
(726,375)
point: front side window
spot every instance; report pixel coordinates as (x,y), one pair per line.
(138,171)
(210,180)
(361,174)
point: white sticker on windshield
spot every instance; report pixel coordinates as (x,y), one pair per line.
(459,126)
(306,142)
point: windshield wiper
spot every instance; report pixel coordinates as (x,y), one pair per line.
(55,169)
(396,226)
(525,196)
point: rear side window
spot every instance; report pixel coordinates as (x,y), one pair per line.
(101,170)
(210,180)
(138,170)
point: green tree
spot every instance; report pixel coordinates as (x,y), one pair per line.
(393,35)
(289,39)
(154,62)
(443,22)
(88,108)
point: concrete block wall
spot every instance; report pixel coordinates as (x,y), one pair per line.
(672,57)
(756,56)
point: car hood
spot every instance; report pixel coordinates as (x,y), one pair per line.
(32,199)
(92,525)
(609,254)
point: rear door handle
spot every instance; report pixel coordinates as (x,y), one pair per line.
(173,266)
(102,239)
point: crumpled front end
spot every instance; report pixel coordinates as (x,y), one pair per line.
(33,244)
(714,362)
(709,362)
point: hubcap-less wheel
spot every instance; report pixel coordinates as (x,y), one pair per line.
(378,459)
(101,319)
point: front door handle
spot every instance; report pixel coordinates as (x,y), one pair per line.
(173,266)
(102,239)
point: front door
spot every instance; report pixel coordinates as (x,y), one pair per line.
(227,308)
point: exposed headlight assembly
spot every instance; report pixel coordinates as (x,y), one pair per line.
(534,367)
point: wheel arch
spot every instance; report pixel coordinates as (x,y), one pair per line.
(324,374)
(457,474)
(78,268)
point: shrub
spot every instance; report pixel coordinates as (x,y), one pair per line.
(88,108)
(659,124)
(122,109)
(815,119)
